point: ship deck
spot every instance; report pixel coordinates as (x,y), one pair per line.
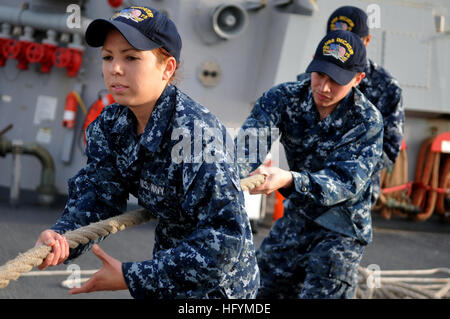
(398,244)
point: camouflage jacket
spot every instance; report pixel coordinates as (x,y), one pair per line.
(331,160)
(203,241)
(383,91)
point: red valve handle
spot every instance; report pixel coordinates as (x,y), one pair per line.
(62,57)
(11,48)
(34,52)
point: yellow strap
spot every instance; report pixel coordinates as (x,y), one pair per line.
(80,101)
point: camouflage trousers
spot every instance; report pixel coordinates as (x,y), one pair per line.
(300,259)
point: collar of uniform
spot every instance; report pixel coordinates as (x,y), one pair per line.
(159,119)
(370,66)
(125,123)
(307,105)
(335,118)
(359,98)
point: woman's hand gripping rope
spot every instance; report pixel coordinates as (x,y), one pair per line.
(52,248)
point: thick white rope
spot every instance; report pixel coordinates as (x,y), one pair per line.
(23,263)
(378,284)
(370,284)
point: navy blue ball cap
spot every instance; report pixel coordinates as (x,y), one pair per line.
(340,55)
(349,18)
(144,28)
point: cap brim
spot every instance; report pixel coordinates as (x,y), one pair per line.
(336,73)
(98,30)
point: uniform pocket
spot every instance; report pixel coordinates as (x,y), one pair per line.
(160,198)
(346,273)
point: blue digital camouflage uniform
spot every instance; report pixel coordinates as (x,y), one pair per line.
(203,241)
(380,88)
(384,92)
(315,249)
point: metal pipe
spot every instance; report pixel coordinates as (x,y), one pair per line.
(46,189)
(41,20)
(16,173)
